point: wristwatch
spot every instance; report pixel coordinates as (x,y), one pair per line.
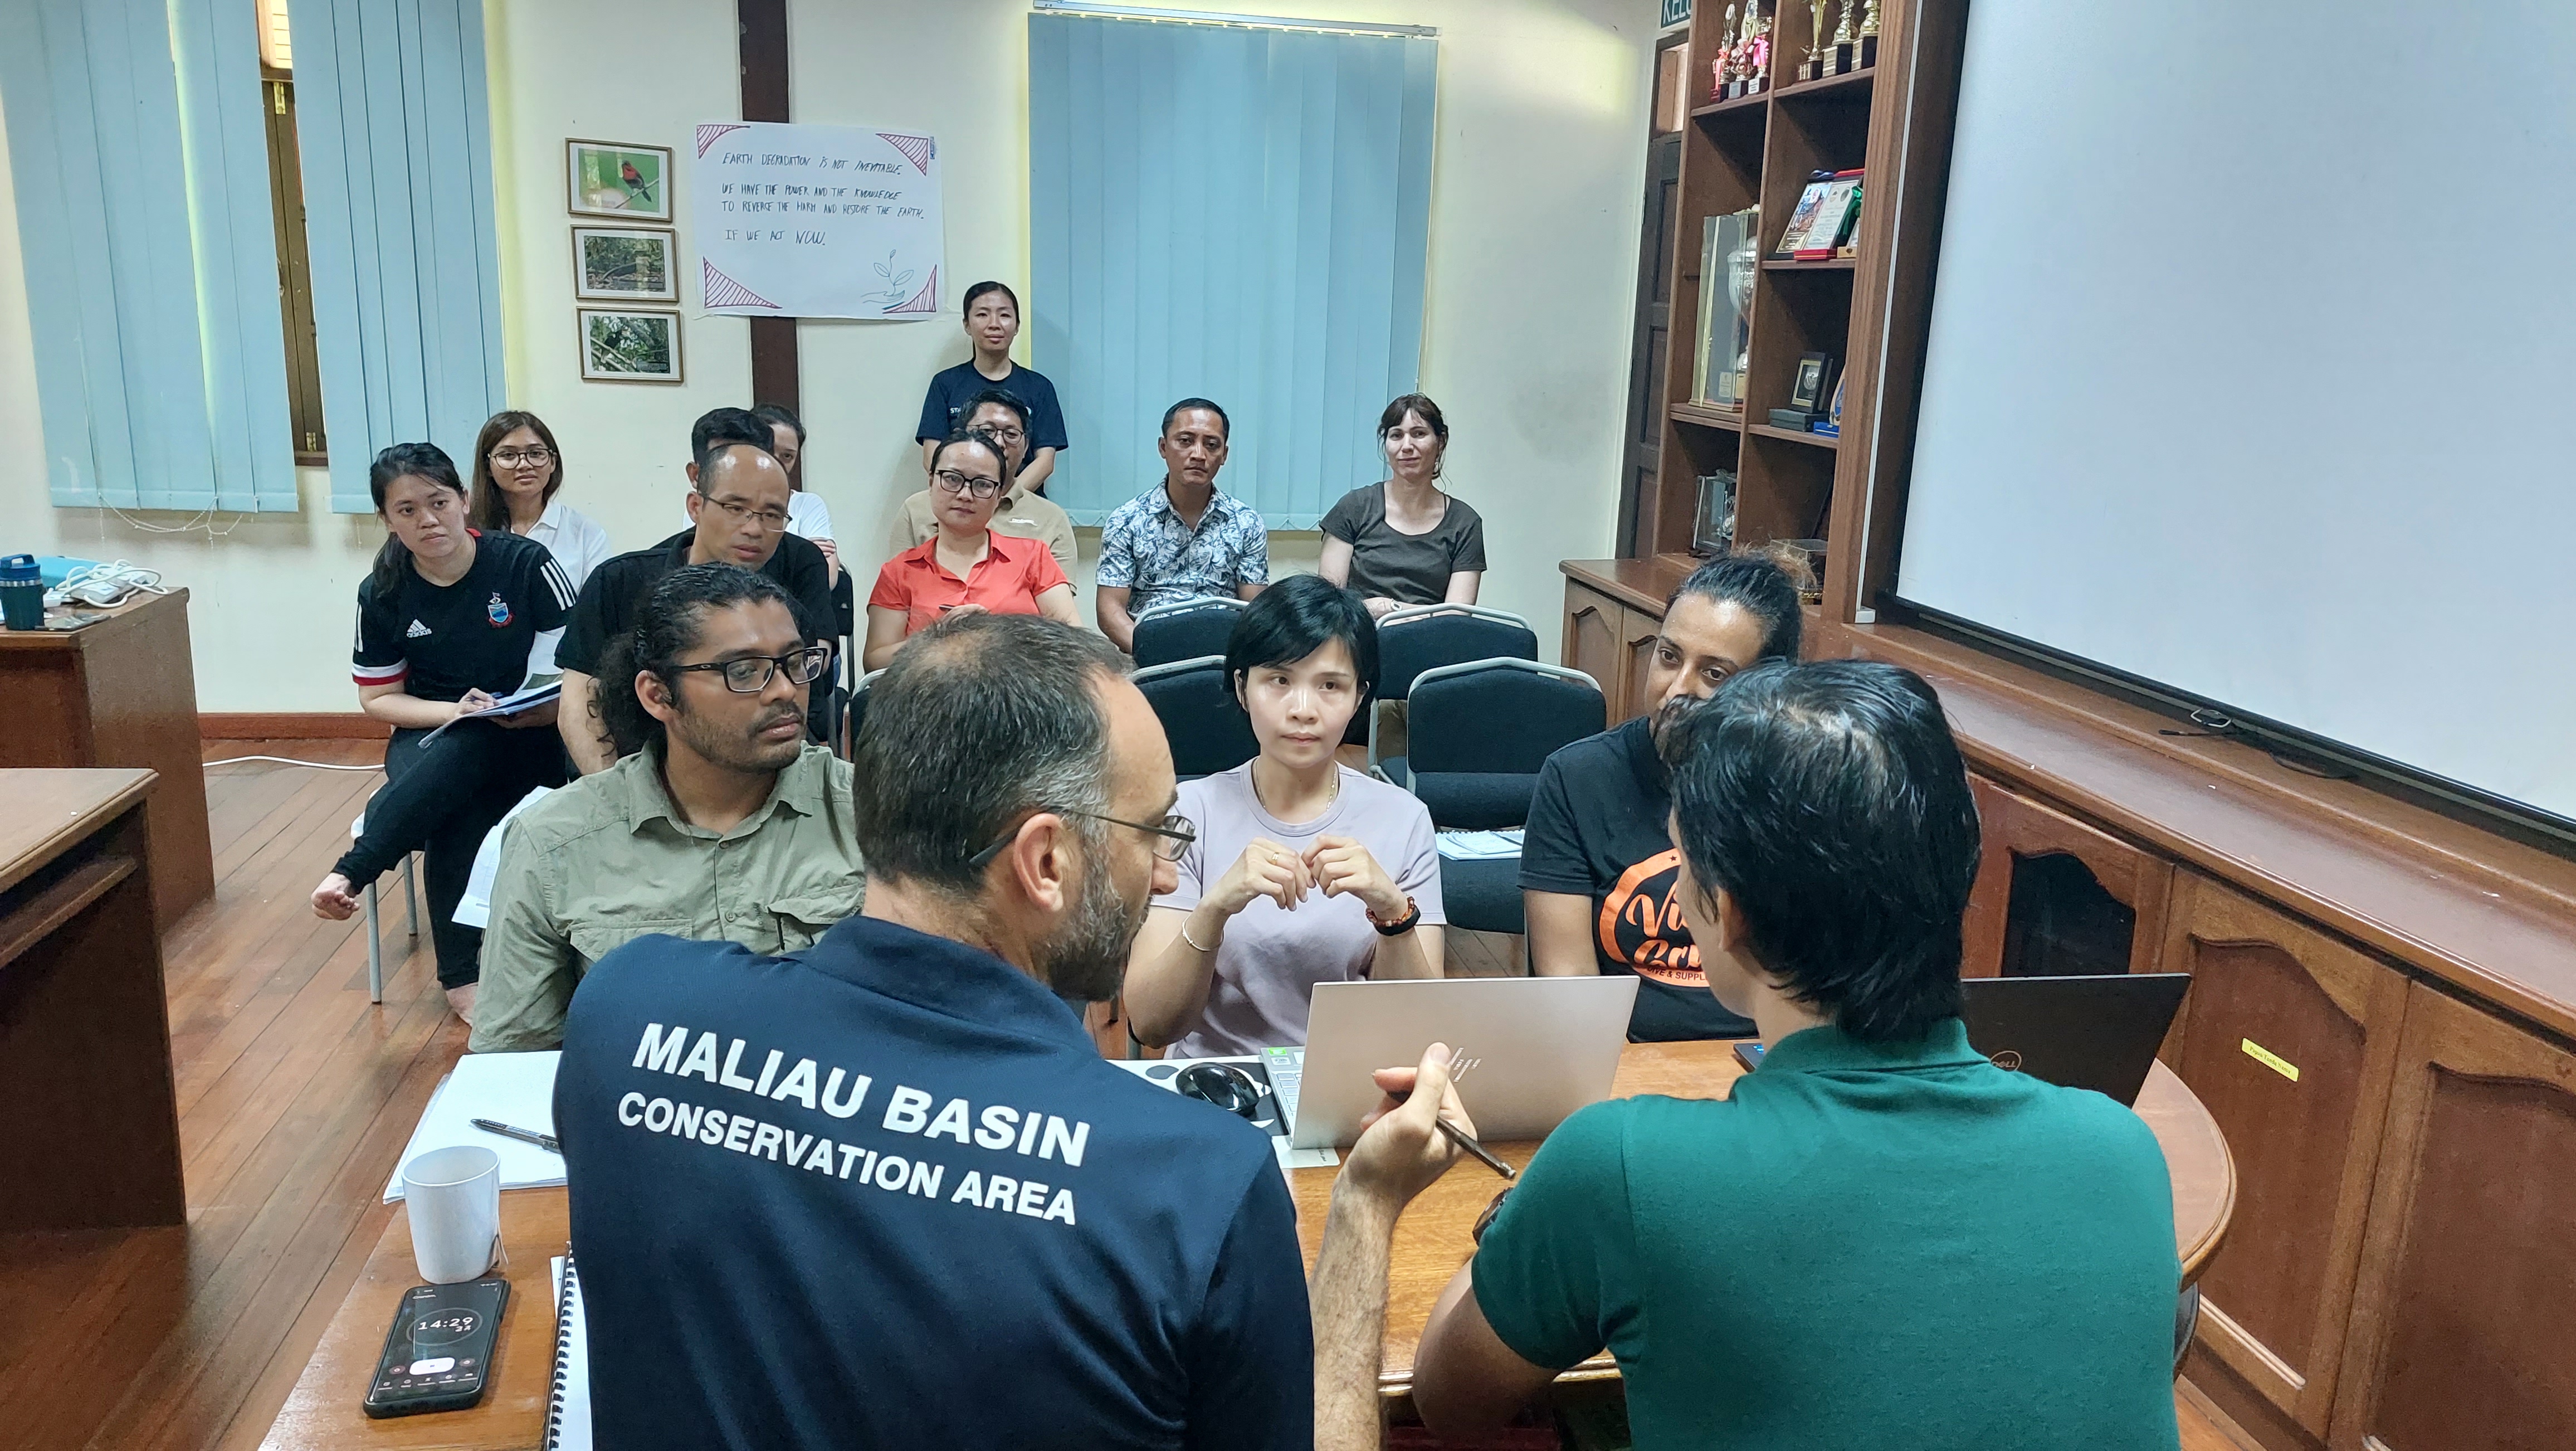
(1411,919)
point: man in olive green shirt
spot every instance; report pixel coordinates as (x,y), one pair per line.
(1879,1238)
(727,826)
(1022,514)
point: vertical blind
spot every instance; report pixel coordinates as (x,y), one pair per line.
(395,134)
(1232,213)
(140,168)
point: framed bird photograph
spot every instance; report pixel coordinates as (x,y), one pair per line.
(629,347)
(624,264)
(611,179)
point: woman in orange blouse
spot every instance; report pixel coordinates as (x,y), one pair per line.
(965,566)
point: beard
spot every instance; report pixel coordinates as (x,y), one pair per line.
(1086,958)
(745,752)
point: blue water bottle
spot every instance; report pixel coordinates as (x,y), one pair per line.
(22,592)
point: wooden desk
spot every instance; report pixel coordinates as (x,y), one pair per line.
(90,1135)
(121,692)
(1431,1242)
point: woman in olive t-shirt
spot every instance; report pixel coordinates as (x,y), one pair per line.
(1404,542)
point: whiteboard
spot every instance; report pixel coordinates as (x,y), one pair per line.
(2252,363)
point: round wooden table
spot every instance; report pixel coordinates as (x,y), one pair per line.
(1433,1239)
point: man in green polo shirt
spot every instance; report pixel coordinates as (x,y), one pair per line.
(1879,1239)
(726,825)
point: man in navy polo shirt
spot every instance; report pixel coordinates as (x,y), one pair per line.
(885,1191)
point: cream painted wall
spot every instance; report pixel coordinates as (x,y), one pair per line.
(1536,187)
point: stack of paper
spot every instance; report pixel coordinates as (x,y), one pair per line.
(517,1089)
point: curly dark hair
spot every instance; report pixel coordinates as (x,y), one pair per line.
(666,629)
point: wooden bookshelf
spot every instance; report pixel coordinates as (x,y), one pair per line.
(1741,152)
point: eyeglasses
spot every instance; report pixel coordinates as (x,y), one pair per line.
(957,483)
(1002,432)
(769,519)
(511,458)
(1174,837)
(749,674)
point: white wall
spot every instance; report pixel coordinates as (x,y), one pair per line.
(1536,188)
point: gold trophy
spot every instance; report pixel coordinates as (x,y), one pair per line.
(1819,51)
(1846,40)
(1869,34)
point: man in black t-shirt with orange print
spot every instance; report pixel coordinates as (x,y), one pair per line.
(1597,862)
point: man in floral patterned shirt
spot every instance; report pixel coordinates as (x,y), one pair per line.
(1180,539)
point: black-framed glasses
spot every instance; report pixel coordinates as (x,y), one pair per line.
(536,457)
(957,483)
(768,519)
(749,674)
(1174,836)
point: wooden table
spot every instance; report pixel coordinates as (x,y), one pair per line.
(89,1131)
(120,692)
(1431,1242)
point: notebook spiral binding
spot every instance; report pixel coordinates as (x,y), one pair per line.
(565,1327)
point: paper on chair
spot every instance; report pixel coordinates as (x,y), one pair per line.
(1480,846)
(474,909)
(514,1088)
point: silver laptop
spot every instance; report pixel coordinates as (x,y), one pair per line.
(1540,1048)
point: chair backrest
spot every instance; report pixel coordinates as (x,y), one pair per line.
(1208,732)
(1185,630)
(1426,637)
(859,704)
(1477,733)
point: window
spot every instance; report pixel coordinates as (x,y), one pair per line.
(294,272)
(1232,212)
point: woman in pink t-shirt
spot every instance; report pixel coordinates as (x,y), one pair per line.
(1304,870)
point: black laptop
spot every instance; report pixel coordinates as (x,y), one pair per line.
(2098,1032)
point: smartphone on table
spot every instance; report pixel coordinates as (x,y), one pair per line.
(438,1351)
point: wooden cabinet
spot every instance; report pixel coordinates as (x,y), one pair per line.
(2291,1038)
(2461,1338)
(1637,631)
(120,692)
(1592,643)
(2055,897)
(1612,643)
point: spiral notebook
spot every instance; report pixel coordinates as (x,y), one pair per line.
(568,1404)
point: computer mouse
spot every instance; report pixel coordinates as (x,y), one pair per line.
(1222,1084)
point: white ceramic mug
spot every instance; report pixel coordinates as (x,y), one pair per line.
(454,1199)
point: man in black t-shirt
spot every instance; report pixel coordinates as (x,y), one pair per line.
(737,505)
(1597,861)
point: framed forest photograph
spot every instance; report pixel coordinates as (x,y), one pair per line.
(629,347)
(625,264)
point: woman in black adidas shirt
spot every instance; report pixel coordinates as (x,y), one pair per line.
(446,621)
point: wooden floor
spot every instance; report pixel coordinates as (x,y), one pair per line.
(295,1097)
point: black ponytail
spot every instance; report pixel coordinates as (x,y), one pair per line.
(1765,582)
(404,460)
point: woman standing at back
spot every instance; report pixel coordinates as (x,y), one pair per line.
(1405,541)
(992,322)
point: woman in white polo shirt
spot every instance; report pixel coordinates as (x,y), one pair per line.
(518,471)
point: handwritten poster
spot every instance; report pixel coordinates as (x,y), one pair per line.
(817,221)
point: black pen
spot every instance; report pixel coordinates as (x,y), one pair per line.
(543,1141)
